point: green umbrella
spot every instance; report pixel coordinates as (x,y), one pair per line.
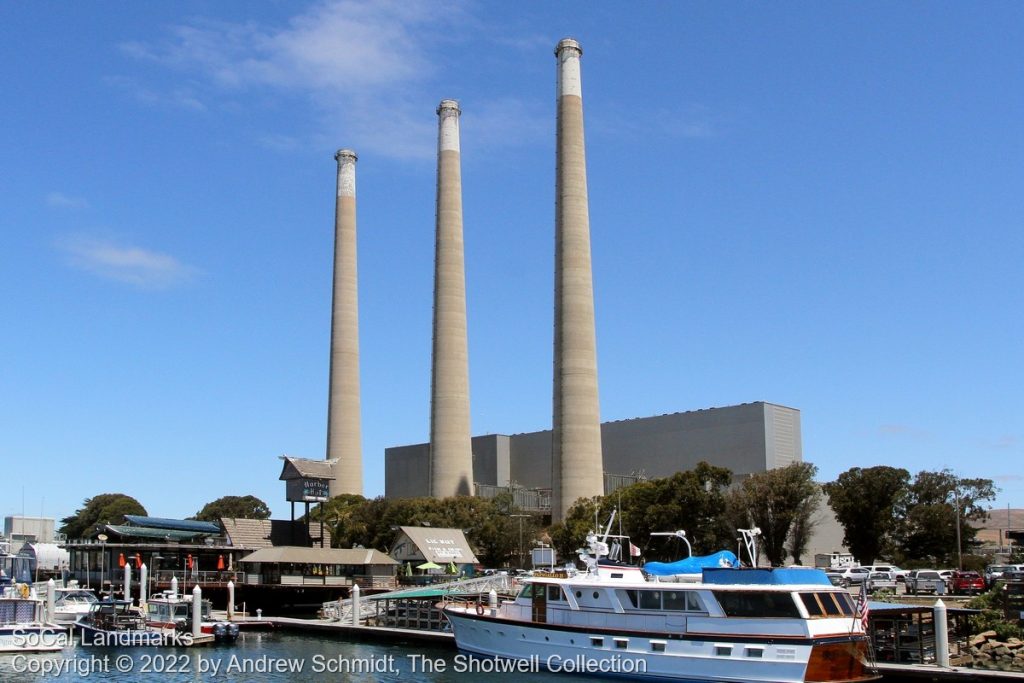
(452,569)
(408,568)
(428,565)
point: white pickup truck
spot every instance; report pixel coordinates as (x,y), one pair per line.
(881,581)
(925,581)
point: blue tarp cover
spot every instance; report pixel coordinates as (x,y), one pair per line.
(763,577)
(691,565)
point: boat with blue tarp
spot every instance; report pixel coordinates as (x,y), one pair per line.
(724,624)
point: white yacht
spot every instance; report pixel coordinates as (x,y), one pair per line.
(22,624)
(71,604)
(724,624)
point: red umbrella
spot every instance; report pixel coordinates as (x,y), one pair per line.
(220,562)
(188,562)
(138,560)
(120,560)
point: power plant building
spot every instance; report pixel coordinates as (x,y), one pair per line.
(747,438)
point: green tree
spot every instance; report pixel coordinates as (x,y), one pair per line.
(935,501)
(569,535)
(867,504)
(491,526)
(774,501)
(343,515)
(691,501)
(240,507)
(106,508)
(803,526)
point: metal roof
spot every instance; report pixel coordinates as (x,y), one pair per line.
(298,555)
(192,525)
(434,545)
(152,532)
(303,468)
(264,533)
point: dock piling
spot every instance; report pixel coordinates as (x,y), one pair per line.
(197,611)
(51,599)
(941,635)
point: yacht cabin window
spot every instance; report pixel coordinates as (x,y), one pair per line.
(827,604)
(757,604)
(673,600)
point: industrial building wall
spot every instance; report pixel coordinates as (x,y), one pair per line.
(407,471)
(827,534)
(747,438)
(32,529)
(783,445)
(407,468)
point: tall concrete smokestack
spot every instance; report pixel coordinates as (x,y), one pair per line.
(576,464)
(344,441)
(451,455)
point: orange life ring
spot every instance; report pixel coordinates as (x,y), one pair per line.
(480,609)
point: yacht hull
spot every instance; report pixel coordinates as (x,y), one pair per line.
(659,656)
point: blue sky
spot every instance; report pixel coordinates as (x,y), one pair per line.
(816,205)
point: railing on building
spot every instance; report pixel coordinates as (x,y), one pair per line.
(200,578)
(539,500)
(364,581)
(614,482)
(529,500)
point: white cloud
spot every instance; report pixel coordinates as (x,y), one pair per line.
(61,200)
(134,265)
(362,65)
(181,97)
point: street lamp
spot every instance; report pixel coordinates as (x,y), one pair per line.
(102,538)
(959,550)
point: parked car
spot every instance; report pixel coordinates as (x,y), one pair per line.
(925,581)
(994,572)
(848,576)
(966,582)
(880,581)
(1015,576)
(894,572)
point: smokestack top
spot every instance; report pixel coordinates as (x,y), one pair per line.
(448,126)
(448,105)
(346,172)
(569,43)
(568,53)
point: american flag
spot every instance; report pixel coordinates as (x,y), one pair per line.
(862,607)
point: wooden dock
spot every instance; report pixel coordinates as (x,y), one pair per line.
(374,633)
(953,674)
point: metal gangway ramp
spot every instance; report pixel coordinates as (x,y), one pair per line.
(370,606)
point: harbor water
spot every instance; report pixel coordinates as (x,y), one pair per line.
(278,656)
